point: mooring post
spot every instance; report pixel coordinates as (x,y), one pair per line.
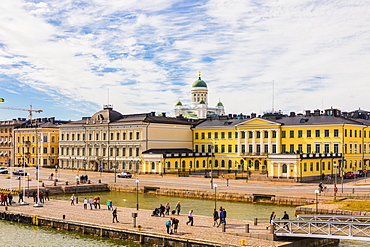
(246,228)
(255,221)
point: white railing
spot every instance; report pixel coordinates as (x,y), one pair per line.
(337,218)
(322,229)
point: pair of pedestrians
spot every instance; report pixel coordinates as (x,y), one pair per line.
(219,217)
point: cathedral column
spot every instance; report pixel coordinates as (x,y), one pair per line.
(262,148)
(279,170)
(239,143)
(254,141)
(246,142)
(269,132)
(278,141)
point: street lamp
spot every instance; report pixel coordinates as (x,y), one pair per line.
(38,204)
(317,192)
(137,194)
(76,190)
(115,164)
(215,186)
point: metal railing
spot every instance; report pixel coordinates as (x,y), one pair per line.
(336,218)
(322,229)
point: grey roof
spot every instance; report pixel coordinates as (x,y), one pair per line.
(316,120)
(167,151)
(217,123)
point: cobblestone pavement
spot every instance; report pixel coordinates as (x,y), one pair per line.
(202,230)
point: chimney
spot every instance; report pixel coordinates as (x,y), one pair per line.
(253,115)
(308,113)
(316,112)
(153,113)
(163,114)
(292,114)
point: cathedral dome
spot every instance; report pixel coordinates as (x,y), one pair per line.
(199,83)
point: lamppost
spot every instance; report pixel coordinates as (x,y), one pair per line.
(212,160)
(335,172)
(137,194)
(215,186)
(38,204)
(76,190)
(317,200)
(115,164)
(24,180)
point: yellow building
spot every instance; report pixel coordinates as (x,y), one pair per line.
(298,148)
(37,144)
(110,141)
(6,140)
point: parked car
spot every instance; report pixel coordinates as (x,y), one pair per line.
(350,175)
(20,173)
(361,173)
(124,175)
(3,170)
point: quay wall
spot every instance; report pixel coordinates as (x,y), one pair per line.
(223,196)
(138,236)
(309,210)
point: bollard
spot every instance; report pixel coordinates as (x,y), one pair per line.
(353,190)
(99,181)
(42,185)
(78,182)
(223,227)
(255,221)
(242,242)
(246,228)
(88,181)
(272,229)
(55,183)
(6,208)
(64,216)
(66,182)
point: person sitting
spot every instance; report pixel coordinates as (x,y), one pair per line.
(155,212)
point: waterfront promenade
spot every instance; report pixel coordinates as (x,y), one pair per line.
(202,230)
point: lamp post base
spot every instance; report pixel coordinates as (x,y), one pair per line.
(38,205)
(23,203)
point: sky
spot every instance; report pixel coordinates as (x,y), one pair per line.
(69,58)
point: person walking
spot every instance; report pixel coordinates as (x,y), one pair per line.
(178,207)
(286,217)
(167,208)
(175,224)
(223,216)
(91,203)
(168,226)
(190,217)
(114,213)
(272,217)
(72,199)
(20,195)
(85,203)
(215,218)
(161,210)
(47,194)
(10,198)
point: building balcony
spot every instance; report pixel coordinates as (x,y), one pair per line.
(254,155)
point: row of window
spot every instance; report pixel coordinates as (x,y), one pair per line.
(33,139)
(114,152)
(232,135)
(309,133)
(113,136)
(33,161)
(316,165)
(32,150)
(81,165)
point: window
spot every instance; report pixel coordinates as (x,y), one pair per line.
(196,136)
(236,148)
(222,164)
(317,148)
(130,135)
(345,133)
(209,148)
(45,150)
(326,133)
(230,148)
(243,135)
(209,135)
(350,133)
(311,166)
(308,133)
(222,135)
(283,148)
(137,152)
(291,148)
(304,167)
(266,134)
(137,135)
(299,133)
(236,135)
(123,152)
(117,136)
(104,136)
(336,148)
(326,148)
(291,134)
(250,133)
(266,148)
(124,136)
(258,147)
(222,148)
(274,148)
(203,147)
(283,134)
(216,135)
(67,137)
(203,135)
(45,138)
(355,133)
(300,148)
(196,149)
(336,133)
(317,133)
(130,152)
(243,148)
(97,136)
(258,134)
(309,149)
(230,135)
(274,134)
(317,166)
(323,166)
(62,137)
(216,148)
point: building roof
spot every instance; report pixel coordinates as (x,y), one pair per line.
(199,83)
(167,151)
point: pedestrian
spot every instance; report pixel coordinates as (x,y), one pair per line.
(178,207)
(98,201)
(328,179)
(215,218)
(272,218)
(91,203)
(335,191)
(85,203)
(323,176)
(168,207)
(72,199)
(320,187)
(286,217)
(10,198)
(6,200)
(227,182)
(95,202)
(114,213)
(168,226)
(47,194)
(190,217)
(161,210)
(41,196)
(223,216)
(109,204)
(51,176)
(20,195)
(175,224)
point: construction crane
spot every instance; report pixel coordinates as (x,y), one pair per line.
(20,109)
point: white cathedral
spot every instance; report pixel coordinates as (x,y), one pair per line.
(199,103)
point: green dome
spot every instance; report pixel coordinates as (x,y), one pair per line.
(199,83)
(220,104)
(179,103)
(202,102)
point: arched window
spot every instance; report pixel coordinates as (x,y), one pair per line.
(168,164)
(204,164)
(256,165)
(216,163)
(222,164)
(176,164)
(183,164)
(197,164)
(190,164)
(284,168)
(230,166)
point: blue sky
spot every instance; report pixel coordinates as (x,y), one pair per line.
(65,57)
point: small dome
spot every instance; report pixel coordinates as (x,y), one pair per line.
(179,103)
(220,104)
(202,102)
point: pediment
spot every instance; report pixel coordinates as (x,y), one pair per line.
(255,122)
